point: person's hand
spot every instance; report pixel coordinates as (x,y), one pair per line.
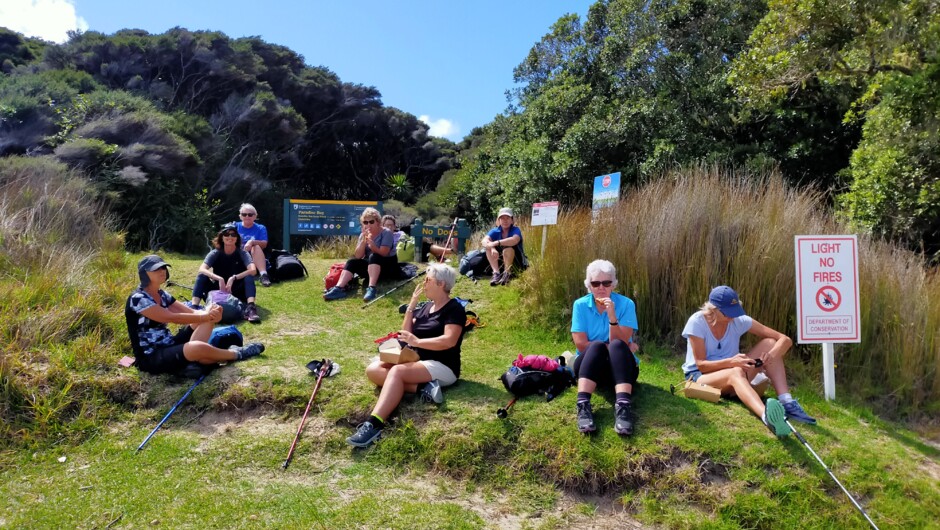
(609,307)
(229,283)
(407,337)
(214,311)
(741,361)
(634,347)
(416,295)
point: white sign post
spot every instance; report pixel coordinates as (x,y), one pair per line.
(544,214)
(827,301)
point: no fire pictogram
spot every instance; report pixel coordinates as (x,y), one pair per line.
(828,298)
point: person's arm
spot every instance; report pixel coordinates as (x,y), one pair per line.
(381,245)
(781,345)
(409,319)
(705,366)
(489,240)
(360,251)
(514,238)
(581,341)
(213,313)
(205,270)
(618,330)
(443,342)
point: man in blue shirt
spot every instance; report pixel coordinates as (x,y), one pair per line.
(504,242)
(255,239)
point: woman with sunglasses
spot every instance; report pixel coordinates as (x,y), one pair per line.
(602,326)
(229,269)
(435,332)
(375,257)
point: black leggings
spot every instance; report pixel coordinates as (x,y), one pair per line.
(604,364)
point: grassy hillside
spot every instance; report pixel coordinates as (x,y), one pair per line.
(217,462)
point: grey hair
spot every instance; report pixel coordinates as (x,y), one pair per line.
(443,273)
(370,213)
(708,310)
(600,266)
(249,207)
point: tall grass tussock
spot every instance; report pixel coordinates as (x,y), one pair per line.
(60,295)
(675,238)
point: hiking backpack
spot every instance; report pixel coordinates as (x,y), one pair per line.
(225,337)
(332,277)
(475,265)
(537,374)
(233,309)
(405,248)
(286,266)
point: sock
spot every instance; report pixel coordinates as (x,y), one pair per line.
(785,398)
(264,273)
(584,397)
(763,418)
(623,397)
(376,422)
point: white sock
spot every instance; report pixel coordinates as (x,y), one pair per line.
(764,418)
(785,398)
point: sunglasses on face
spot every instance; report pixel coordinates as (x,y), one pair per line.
(605,283)
(246,214)
(230,234)
(369,222)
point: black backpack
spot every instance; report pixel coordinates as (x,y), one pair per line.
(285,266)
(522,382)
(475,265)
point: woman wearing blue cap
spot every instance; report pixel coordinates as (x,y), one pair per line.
(148,311)
(713,358)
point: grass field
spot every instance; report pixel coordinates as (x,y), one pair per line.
(217,462)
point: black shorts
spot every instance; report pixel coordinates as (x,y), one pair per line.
(168,359)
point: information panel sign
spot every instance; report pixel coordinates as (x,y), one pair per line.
(325,218)
(606,192)
(827,304)
(544,213)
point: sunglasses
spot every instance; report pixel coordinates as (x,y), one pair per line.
(246,214)
(369,222)
(605,283)
(230,234)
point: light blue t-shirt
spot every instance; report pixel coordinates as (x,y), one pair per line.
(256,232)
(586,318)
(715,350)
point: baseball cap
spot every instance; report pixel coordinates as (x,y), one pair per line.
(727,301)
(505,211)
(151,263)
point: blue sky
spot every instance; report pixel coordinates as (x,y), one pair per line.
(447,62)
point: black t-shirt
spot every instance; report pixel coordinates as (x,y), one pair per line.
(429,325)
(228,265)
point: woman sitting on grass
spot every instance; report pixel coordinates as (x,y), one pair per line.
(435,332)
(374,257)
(713,358)
(602,326)
(229,269)
(148,311)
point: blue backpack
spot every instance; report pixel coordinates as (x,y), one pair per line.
(226,336)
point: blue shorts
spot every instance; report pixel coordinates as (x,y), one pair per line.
(694,374)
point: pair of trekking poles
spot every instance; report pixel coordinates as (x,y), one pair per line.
(321,368)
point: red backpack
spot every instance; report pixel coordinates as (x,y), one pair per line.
(332,277)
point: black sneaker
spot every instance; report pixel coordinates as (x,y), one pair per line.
(431,392)
(265,281)
(586,417)
(365,435)
(252,349)
(623,418)
(251,314)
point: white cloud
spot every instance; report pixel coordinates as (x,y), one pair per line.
(441,127)
(46,19)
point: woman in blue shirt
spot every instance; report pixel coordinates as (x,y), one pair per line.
(602,326)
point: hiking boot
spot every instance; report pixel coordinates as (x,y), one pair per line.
(265,281)
(431,392)
(586,417)
(370,294)
(623,418)
(795,412)
(335,293)
(497,279)
(366,435)
(252,349)
(775,417)
(251,314)
(504,280)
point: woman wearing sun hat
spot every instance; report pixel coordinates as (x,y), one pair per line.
(713,357)
(504,243)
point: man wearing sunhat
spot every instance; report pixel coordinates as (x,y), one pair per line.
(504,243)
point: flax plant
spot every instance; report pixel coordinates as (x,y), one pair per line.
(678,236)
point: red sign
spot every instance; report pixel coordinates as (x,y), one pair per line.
(606,181)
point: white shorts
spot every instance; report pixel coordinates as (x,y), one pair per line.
(438,370)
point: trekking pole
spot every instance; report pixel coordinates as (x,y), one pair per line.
(503,412)
(324,369)
(453,226)
(824,466)
(393,289)
(174,284)
(168,414)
